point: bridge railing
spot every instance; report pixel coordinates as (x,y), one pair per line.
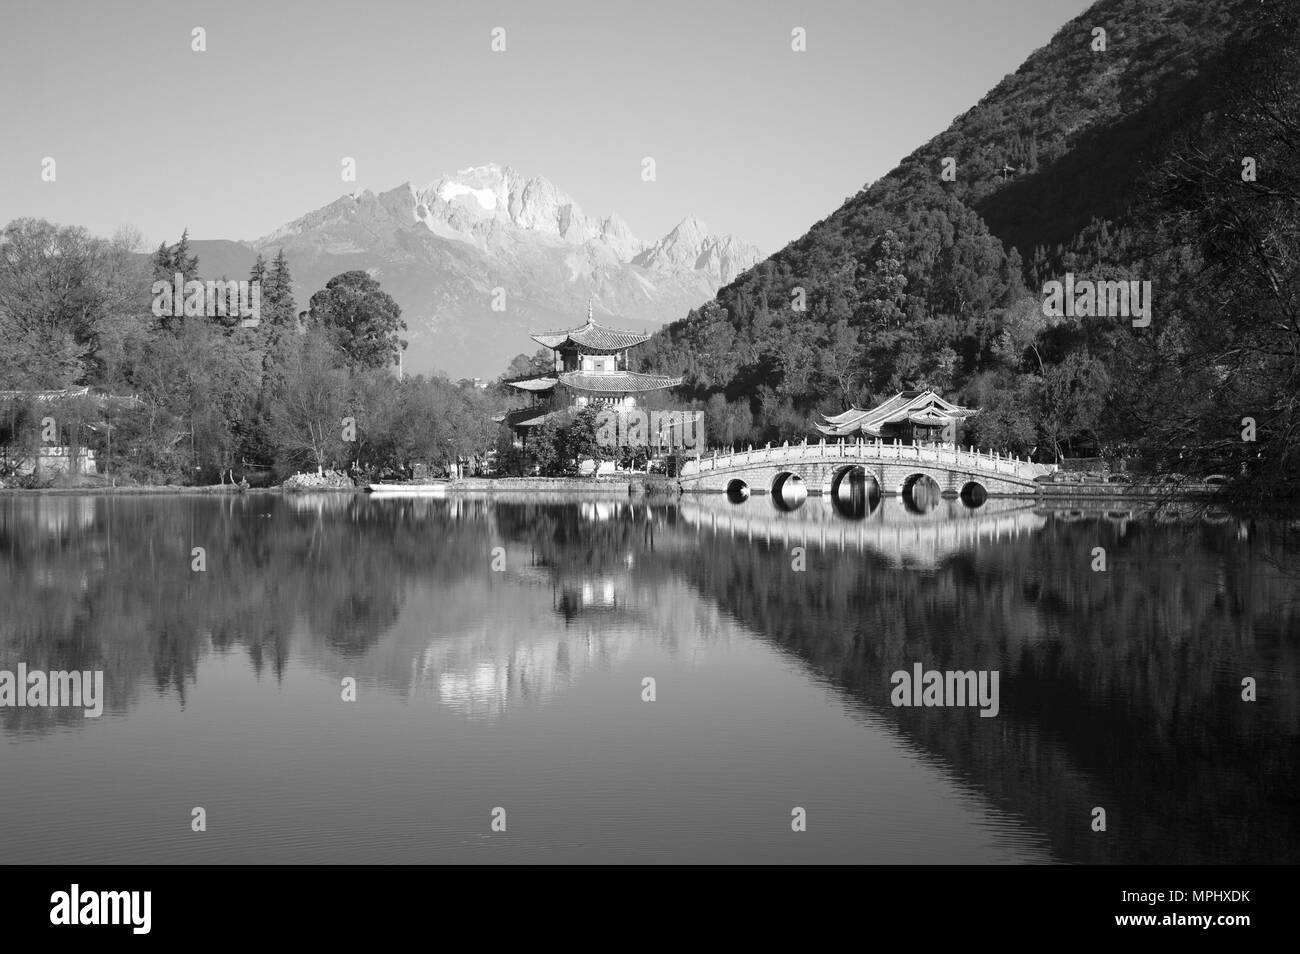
(935,454)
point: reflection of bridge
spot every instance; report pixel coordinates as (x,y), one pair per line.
(902,537)
(894,467)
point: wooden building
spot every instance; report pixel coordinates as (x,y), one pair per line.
(920,416)
(590,368)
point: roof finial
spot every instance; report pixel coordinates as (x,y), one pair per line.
(589,320)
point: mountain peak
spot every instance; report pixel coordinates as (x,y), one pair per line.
(442,247)
(691,225)
(690,245)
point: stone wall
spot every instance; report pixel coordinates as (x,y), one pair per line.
(51,460)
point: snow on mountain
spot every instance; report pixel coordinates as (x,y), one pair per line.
(441,250)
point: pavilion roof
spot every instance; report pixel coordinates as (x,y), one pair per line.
(528,416)
(543,383)
(592,337)
(617,382)
(920,407)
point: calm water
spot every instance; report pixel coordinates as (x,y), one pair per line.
(521,687)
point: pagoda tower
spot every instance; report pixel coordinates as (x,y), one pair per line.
(590,368)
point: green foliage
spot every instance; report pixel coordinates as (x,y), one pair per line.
(307,413)
(361,318)
(173,259)
(1117,166)
(560,445)
(211,397)
(1229,264)
(542,361)
(67,302)
(511,460)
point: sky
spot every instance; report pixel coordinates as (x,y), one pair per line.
(755,139)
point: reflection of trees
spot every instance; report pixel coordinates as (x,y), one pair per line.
(106,583)
(116,591)
(575,594)
(1118,689)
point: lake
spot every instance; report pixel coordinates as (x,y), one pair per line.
(344,679)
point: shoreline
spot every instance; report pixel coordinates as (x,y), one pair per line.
(140,490)
(601,488)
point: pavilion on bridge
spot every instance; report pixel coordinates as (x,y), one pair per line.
(920,416)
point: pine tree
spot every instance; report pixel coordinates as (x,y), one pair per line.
(258,272)
(182,260)
(279,310)
(278,294)
(162,263)
(277,330)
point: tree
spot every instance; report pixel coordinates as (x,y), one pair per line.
(1074,397)
(563,442)
(361,319)
(58,295)
(279,310)
(1236,258)
(542,361)
(843,360)
(511,460)
(307,415)
(168,260)
(202,383)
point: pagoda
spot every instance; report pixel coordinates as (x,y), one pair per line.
(907,416)
(590,368)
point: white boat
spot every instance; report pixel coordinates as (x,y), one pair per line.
(438,489)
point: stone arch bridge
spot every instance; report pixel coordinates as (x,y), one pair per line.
(894,467)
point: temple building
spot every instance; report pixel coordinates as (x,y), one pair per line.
(590,368)
(907,416)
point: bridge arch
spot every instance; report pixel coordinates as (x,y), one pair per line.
(851,472)
(788,490)
(819,465)
(973,494)
(853,490)
(920,492)
(737,490)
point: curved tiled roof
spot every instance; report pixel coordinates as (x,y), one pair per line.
(920,407)
(534,384)
(617,382)
(528,416)
(592,337)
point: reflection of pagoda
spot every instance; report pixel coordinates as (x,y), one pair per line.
(588,596)
(590,368)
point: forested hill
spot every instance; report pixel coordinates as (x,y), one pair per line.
(932,280)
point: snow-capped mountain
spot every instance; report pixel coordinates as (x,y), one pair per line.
(444,249)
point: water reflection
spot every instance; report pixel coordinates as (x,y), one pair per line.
(921,494)
(737,491)
(974,495)
(1118,688)
(900,536)
(854,493)
(789,492)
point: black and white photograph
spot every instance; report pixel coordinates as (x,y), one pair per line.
(694,432)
